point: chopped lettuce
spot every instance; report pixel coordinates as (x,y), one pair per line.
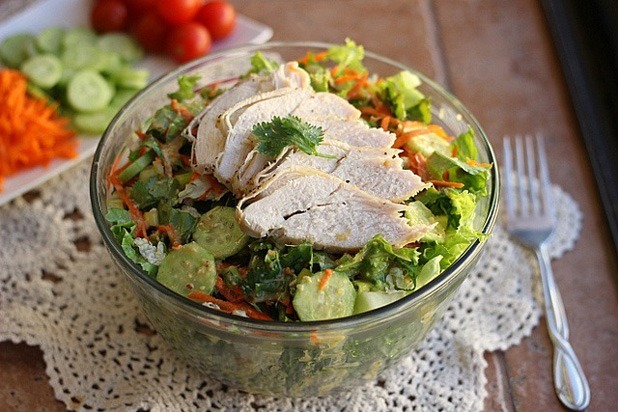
(349,55)
(379,259)
(186,86)
(474,176)
(401,93)
(123,229)
(261,64)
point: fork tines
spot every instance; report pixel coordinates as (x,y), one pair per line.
(527,186)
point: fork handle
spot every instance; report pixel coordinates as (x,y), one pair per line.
(570,381)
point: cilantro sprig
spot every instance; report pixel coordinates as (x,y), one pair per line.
(277,134)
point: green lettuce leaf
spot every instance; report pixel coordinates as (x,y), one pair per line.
(400,93)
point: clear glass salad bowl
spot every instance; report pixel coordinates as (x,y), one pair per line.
(298,359)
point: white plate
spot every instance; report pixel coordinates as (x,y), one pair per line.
(75,13)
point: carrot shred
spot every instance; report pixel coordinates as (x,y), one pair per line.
(231,293)
(31,131)
(446,183)
(228,307)
(324,279)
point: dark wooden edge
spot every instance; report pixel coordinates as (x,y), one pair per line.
(586,42)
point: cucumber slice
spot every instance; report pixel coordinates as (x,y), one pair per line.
(137,166)
(94,123)
(121,98)
(79,36)
(370,300)
(88,91)
(50,40)
(44,70)
(14,50)
(130,78)
(218,232)
(81,57)
(122,44)
(187,269)
(335,300)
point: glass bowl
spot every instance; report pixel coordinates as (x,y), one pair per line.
(298,359)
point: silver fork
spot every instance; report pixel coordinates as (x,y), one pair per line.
(530,218)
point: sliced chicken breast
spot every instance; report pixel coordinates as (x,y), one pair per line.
(378,172)
(238,122)
(307,205)
(209,141)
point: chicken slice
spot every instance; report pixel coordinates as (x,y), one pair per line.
(308,205)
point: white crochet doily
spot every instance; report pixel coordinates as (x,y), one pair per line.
(60,290)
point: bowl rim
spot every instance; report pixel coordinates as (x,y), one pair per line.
(391,310)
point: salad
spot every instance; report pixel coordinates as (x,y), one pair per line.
(308,190)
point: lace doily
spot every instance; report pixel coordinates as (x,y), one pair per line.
(60,290)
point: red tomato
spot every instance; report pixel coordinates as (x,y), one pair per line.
(219,17)
(177,11)
(109,15)
(150,32)
(137,8)
(187,42)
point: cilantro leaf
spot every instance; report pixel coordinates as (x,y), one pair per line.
(276,135)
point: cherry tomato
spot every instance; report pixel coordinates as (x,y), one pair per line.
(187,42)
(150,32)
(109,15)
(138,8)
(177,11)
(219,17)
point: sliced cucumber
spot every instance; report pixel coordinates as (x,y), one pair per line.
(14,50)
(188,268)
(44,70)
(122,44)
(137,166)
(80,57)
(335,299)
(79,36)
(94,123)
(218,232)
(121,98)
(50,40)
(88,91)
(370,300)
(130,78)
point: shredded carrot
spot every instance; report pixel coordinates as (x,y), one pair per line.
(217,187)
(228,307)
(446,183)
(172,234)
(231,293)
(324,279)
(31,131)
(136,214)
(473,162)
(181,110)
(316,57)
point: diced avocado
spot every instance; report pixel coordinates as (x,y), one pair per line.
(318,299)
(428,143)
(188,268)
(218,232)
(370,300)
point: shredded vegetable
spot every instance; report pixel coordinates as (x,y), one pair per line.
(31,131)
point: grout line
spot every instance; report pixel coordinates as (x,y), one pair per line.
(436,50)
(505,397)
